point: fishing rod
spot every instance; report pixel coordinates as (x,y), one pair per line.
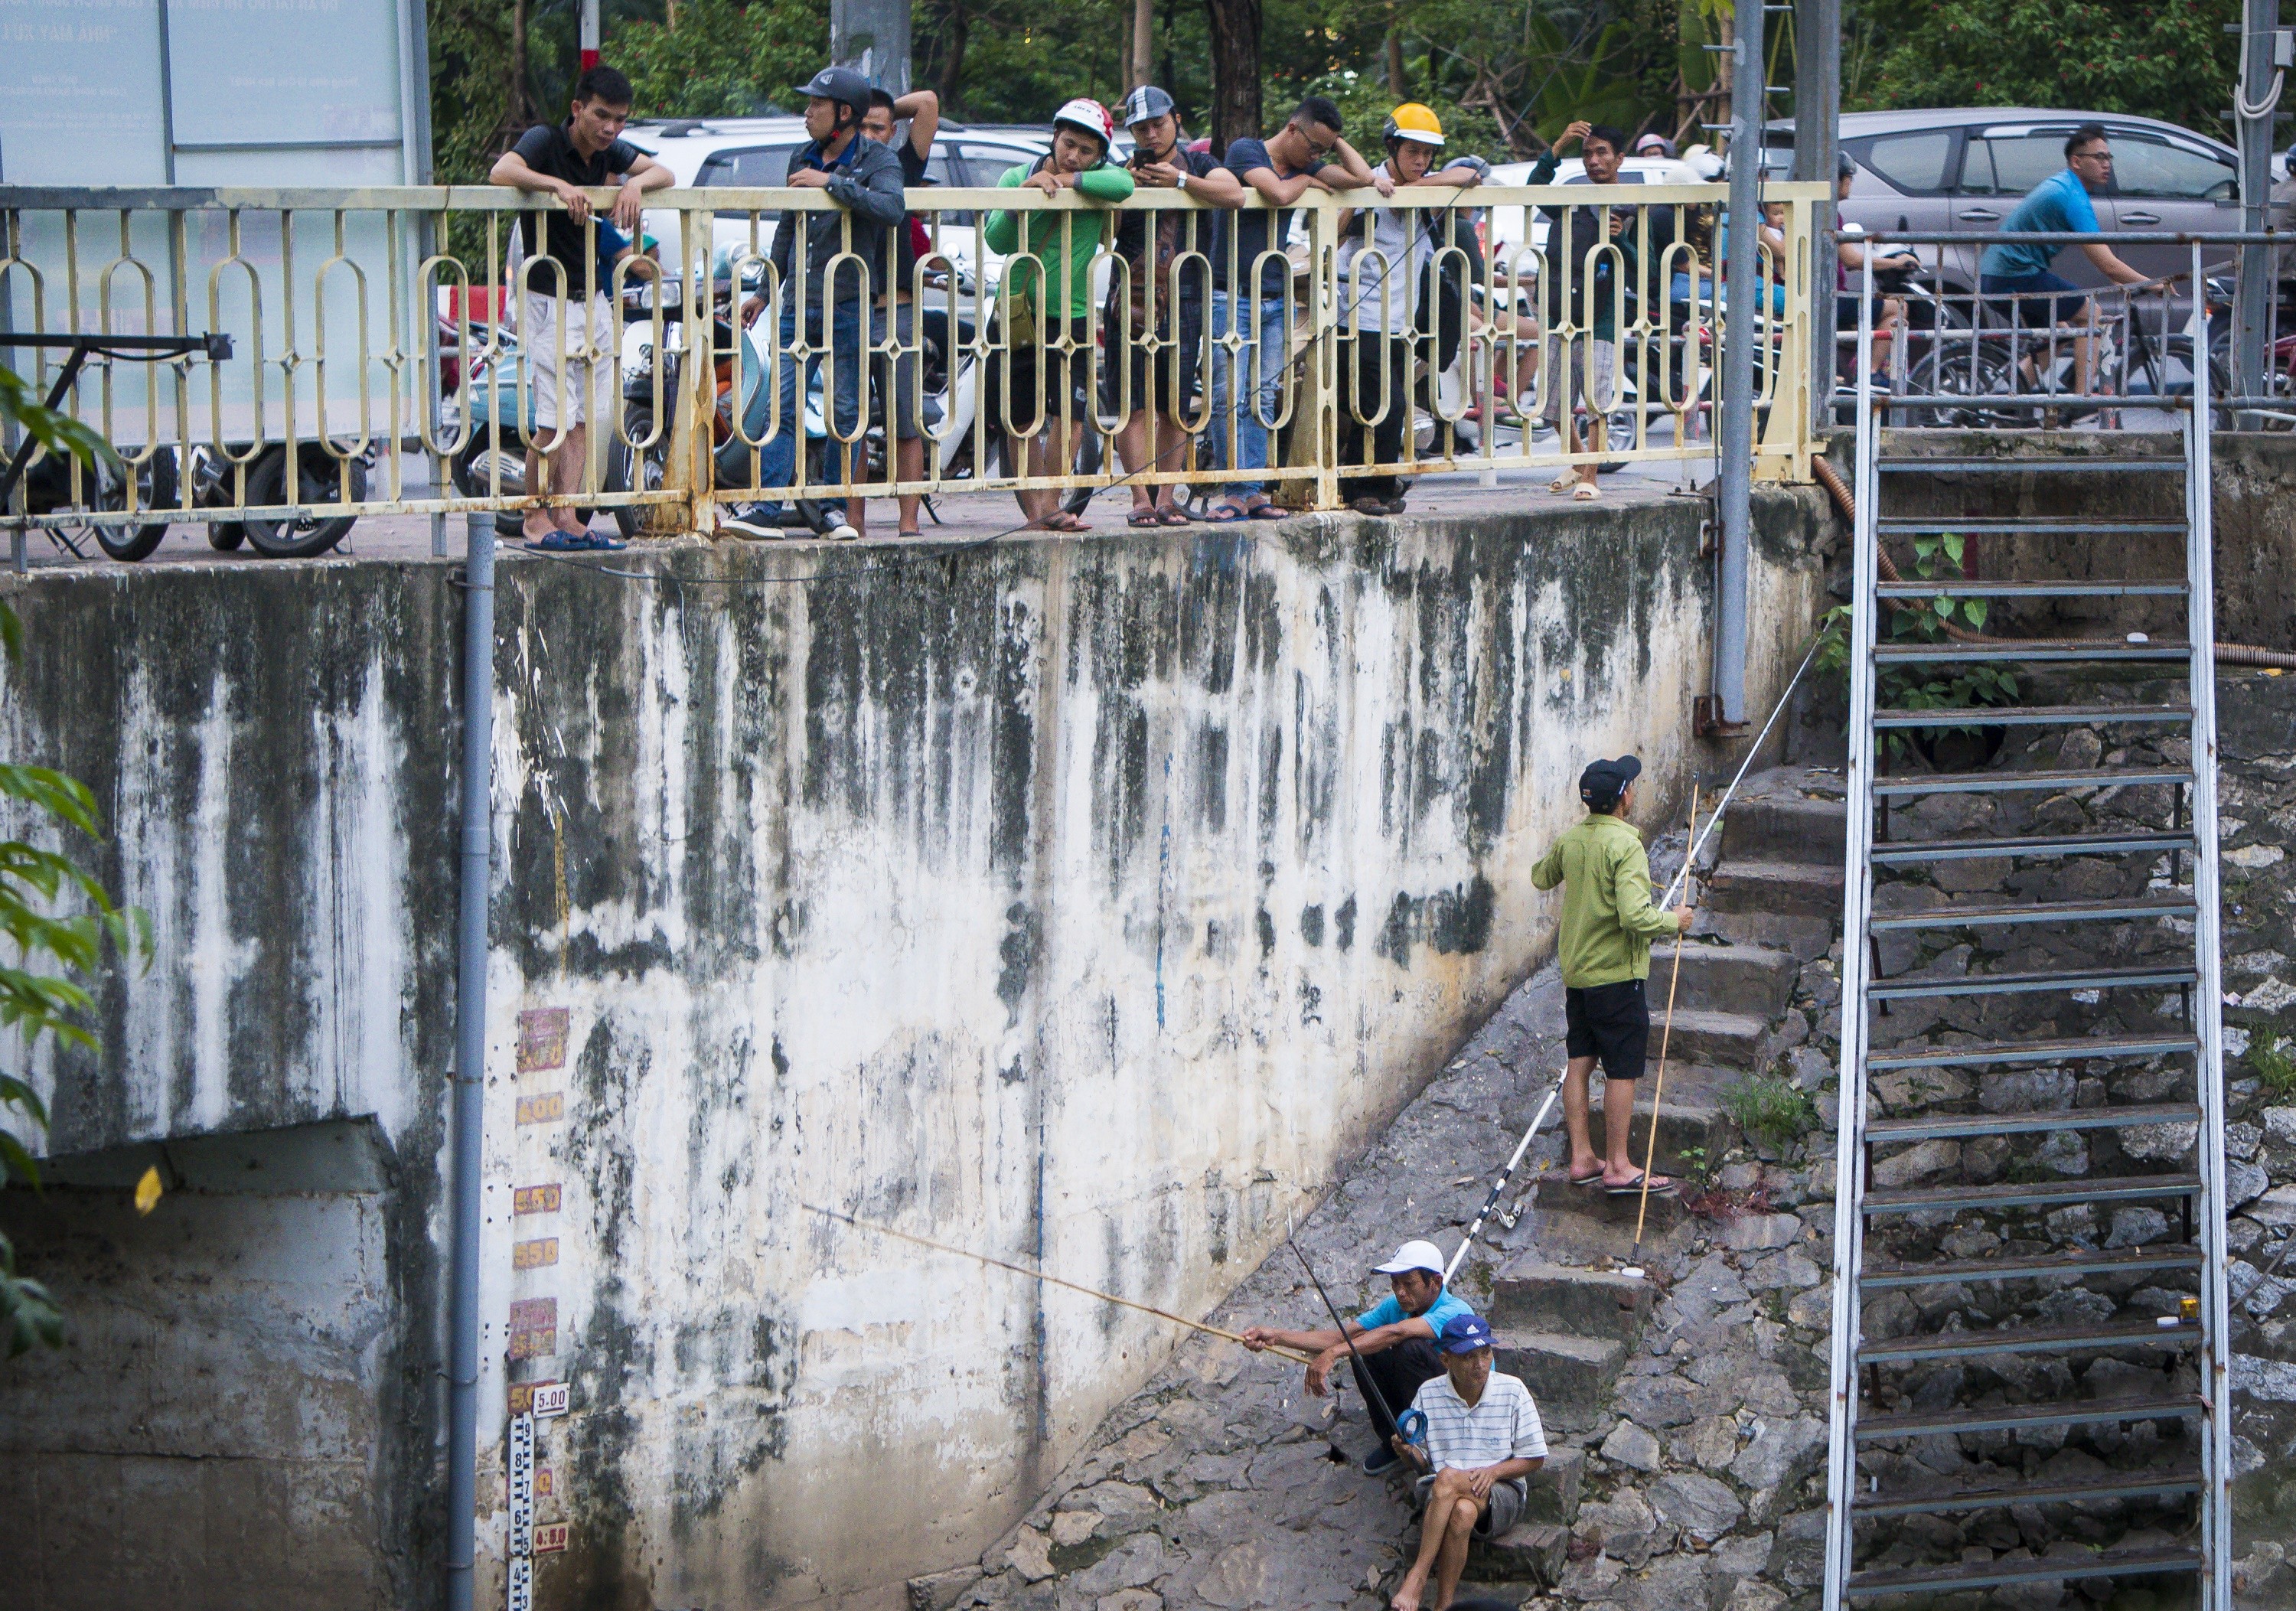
(1411,1425)
(1499,1186)
(1665,1038)
(1036,1273)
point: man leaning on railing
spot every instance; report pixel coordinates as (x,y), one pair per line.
(563,161)
(2058,205)
(1254,301)
(863,179)
(1046,312)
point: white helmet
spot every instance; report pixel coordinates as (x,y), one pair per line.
(1087,116)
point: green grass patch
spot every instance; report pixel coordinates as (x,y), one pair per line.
(1770,1110)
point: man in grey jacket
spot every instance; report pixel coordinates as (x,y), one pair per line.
(831,310)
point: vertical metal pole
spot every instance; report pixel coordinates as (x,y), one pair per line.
(2208,1019)
(2253,298)
(469,1113)
(1741,327)
(589,34)
(1818,144)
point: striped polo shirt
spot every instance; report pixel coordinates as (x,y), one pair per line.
(1503,1426)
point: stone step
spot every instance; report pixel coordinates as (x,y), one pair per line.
(1570,1377)
(1690,1116)
(1563,1233)
(1553,1487)
(1794,889)
(1532,1293)
(1751,979)
(1531,1552)
(1803,938)
(1786,830)
(1732,1039)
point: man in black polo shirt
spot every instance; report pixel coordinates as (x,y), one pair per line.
(563,307)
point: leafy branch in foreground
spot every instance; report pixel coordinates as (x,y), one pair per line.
(40,995)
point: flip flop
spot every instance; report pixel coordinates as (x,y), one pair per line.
(1225,514)
(1263,511)
(1143,518)
(1586,493)
(1172,514)
(1659,1187)
(1592,1180)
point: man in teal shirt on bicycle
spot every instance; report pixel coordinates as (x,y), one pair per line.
(2058,205)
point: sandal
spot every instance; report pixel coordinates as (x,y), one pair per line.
(1226,512)
(1144,516)
(1172,514)
(1660,1187)
(1594,1178)
(1562,485)
(1060,519)
(1368,505)
(1586,493)
(1265,510)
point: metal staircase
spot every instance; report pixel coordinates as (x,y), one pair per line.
(1983,1446)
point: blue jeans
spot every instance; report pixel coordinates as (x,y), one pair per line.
(1265,364)
(777,457)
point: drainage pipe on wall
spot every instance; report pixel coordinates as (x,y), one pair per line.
(1742,326)
(468,1112)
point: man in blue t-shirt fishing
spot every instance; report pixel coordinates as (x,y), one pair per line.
(2058,205)
(1395,1341)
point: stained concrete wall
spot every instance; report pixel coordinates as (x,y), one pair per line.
(1073,901)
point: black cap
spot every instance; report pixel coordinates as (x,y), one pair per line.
(1603,781)
(840,83)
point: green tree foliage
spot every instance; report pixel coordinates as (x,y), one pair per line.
(2171,59)
(40,997)
(724,58)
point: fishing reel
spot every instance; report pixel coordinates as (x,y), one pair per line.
(1412,1424)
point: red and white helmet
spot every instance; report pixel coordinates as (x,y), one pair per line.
(1087,116)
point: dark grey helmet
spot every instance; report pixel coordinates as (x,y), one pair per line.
(1142,103)
(842,85)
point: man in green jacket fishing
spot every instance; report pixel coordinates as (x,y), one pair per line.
(1608,924)
(1046,318)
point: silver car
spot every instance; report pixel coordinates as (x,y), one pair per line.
(1962,170)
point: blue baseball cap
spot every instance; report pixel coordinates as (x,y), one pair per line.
(1465,1333)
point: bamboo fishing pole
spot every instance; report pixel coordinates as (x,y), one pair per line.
(1650,1154)
(1036,1273)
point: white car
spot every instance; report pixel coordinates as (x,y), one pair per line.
(755,152)
(1509,232)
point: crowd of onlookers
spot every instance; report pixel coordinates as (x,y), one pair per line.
(1187,284)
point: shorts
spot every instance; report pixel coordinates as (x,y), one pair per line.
(1504,1511)
(1583,375)
(1164,375)
(2033,307)
(585,389)
(1845,312)
(898,380)
(1041,376)
(1610,1022)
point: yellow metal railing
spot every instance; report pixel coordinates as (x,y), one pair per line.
(1428,332)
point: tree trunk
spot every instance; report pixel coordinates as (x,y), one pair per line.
(1144,43)
(1396,84)
(952,66)
(1235,71)
(519,99)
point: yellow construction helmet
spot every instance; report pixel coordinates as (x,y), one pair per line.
(1413,121)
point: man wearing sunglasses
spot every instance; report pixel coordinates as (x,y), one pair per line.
(1253,299)
(2058,205)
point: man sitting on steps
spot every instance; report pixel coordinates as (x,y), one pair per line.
(1395,1340)
(1483,1439)
(1608,924)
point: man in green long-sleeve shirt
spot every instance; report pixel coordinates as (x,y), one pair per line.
(1608,924)
(1045,316)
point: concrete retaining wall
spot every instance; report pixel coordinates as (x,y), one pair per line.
(1074,901)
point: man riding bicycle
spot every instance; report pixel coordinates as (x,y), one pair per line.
(2058,205)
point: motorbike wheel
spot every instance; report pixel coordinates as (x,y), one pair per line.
(155,485)
(1089,457)
(224,536)
(320,477)
(631,470)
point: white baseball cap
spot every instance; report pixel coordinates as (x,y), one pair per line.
(1413,1255)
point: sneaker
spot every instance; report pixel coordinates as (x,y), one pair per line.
(760,522)
(839,531)
(1379,1459)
